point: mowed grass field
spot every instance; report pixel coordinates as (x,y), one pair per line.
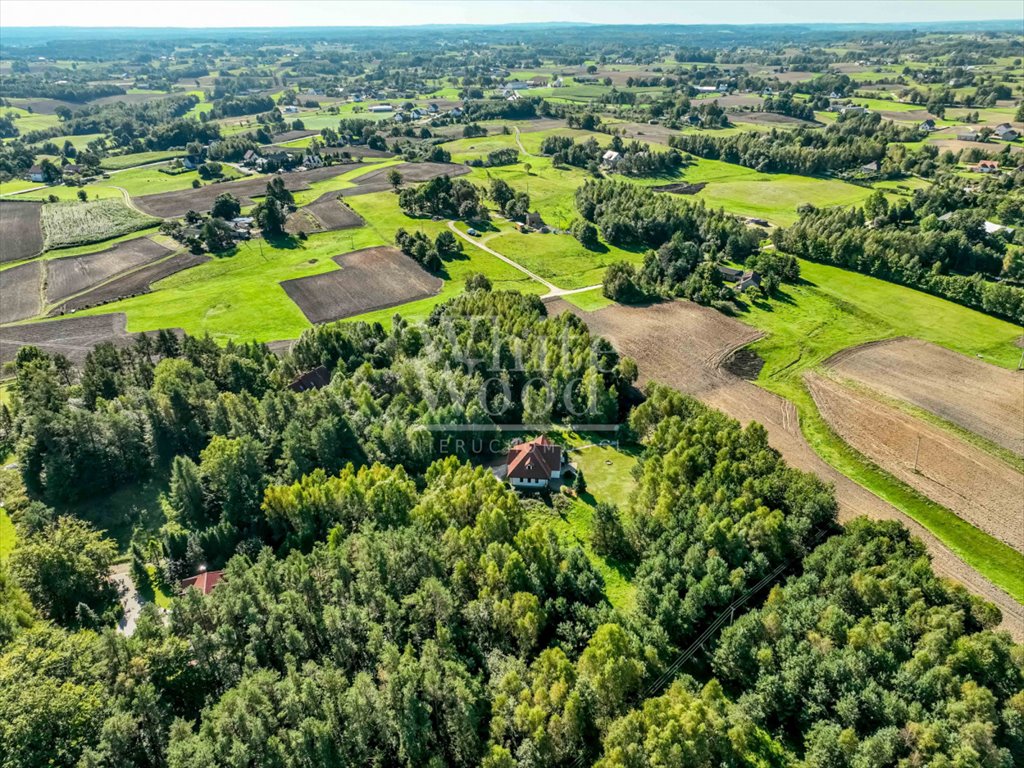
(833,309)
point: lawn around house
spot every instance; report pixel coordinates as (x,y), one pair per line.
(608,473)
(833,309)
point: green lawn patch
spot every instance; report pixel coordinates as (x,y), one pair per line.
(8,534)
(117,162)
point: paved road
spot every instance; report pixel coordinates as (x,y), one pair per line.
(553,290)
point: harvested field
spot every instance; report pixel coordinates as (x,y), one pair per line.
(681,188)
(356,151)
(370,279)
(79,223)
(376,181)
(970,393)
(72,337)
(280,138)
(132,284)
(990,148)
(913,116)
(20,292)
(171,204)
(66,277)
(975,486)
(324,214)
(739,100)
(658,134)
(767,118)
(21,234)
(684,346)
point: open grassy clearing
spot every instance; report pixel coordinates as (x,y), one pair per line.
(560,258)
(69,224)
(8,535)
(834,309)
(117,162)
(608,472)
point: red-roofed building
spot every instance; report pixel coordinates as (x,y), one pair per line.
(204,582)
(534,464)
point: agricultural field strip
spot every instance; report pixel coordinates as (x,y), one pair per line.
(970,483)
(684,348)
(169,253)
(975,395)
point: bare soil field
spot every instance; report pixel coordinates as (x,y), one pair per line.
(171,204)
(21,292)
(21,234)
(69,276)
(280,138)
(914,116)
(681,188)
(991,148)
(658,134)
(47,106)
(132,284)
(324,214)
(767,118)
(977,487)
(72,337)
(355,151)
(369,279)
(739,100)
(980,397)
(376,181)
(685,346)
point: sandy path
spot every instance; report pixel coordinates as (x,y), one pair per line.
(683,345)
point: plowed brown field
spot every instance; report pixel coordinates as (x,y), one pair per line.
(684,346)
(970,393)
(975,486)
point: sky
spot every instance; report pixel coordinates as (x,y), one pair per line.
(341,13)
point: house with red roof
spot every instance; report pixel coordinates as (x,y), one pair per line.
(535,464)
(204,581)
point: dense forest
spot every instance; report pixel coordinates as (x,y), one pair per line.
(385,604)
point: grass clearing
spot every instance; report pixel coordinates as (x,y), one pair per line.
(8,535)
(70,224)
(833,309)
(117,162)
(608,472)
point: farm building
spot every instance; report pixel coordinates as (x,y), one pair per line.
(535,464)
(318,378)
(380,108)
(986,166)
(971,135)
(534,220)
(1006,132)
(204,581)
(853,109)
(927,125)
(743,278)
(35,173)
(610,158)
